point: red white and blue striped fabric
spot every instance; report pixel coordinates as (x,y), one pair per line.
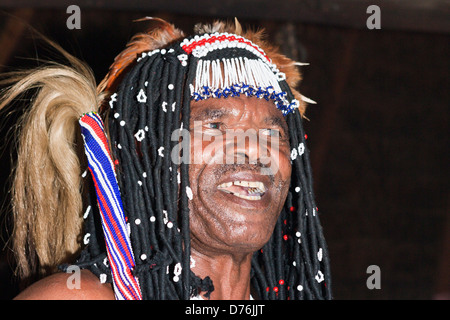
(120,255)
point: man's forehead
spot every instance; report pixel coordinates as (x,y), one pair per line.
(210,111)
(233,106)
(213,109)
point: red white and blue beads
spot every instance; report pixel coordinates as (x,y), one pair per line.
(200,46)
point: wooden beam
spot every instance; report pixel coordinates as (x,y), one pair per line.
(413,15)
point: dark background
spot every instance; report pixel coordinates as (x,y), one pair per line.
(378,135)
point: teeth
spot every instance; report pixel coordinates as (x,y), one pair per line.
(254,189)
(225,185)
(253,198)
(256,186)
(252,184)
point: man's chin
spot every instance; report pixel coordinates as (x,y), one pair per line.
(242,245)
(243,230)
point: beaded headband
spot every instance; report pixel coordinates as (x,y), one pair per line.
(230,65)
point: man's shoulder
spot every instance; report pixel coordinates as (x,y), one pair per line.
(63,286)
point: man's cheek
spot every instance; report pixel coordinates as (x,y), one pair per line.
(276,162)
(207,149)
(284,172)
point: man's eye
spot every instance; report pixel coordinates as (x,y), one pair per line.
(271,132)
(213,128)
(213,125)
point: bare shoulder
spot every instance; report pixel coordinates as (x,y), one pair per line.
(55,287)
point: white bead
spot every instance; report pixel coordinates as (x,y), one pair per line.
(86,238)
(113,99)
(293,154)
(160,151)
(86,213)
(319,277)
(141,97)
(140,135)
(165,219)
(103,278)
(189,193)
(301,148)
(177,269)
(137,221)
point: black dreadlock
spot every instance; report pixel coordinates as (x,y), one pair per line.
(152,101)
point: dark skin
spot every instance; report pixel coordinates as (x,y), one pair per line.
(229,222)
(226,228)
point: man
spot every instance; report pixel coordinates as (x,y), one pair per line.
(199,184)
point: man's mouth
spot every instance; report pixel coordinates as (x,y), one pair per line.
(249,190)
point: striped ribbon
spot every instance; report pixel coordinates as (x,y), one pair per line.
(120,255)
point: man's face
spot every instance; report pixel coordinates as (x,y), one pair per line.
(239,184)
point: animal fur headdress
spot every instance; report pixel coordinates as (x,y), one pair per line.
(165,33)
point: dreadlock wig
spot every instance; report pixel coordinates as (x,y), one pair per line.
(149,90)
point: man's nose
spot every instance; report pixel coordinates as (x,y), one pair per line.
(243,158)
(244,148)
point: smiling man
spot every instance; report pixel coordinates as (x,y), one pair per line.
(235,206)
(225,210)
